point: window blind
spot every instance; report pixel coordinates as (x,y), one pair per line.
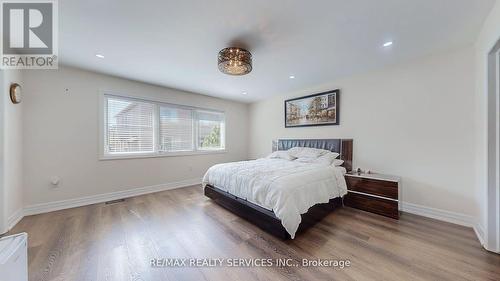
(135,126)
(130,126)
(176,129)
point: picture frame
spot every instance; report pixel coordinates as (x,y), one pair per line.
(320,109)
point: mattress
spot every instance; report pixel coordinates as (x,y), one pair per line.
(288,188)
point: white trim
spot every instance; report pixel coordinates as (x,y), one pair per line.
(491,231)
(14,219)
(451,217)
(438,214)
(497,162)
(480,233)
(103,113)
(160,154)
(479,230)
(94,199)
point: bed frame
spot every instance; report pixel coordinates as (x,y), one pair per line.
(266,219)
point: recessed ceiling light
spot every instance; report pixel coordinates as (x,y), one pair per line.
(244,93)
(387,44)
(291,76)
(99,56)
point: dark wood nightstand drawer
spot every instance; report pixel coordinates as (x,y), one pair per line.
(388,189)
(385,207)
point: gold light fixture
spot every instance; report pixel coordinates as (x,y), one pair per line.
(235,61)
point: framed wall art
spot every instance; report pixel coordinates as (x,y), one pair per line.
(315,110)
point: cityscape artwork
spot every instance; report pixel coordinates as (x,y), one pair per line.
(314,110)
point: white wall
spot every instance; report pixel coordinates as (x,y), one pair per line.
(11,135)
(415,120)
(489,35)
(62,136)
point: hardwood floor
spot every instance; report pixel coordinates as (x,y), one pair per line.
(117,242)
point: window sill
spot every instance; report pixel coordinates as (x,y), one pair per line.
(159,155)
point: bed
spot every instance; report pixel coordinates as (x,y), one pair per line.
(280,196)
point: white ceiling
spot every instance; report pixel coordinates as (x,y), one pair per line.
(175,43)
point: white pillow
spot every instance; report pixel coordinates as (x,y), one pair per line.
(328,159)
(281,154)
(306,152)
(306,159)
(338,162)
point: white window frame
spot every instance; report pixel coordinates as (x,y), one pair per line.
(103,138)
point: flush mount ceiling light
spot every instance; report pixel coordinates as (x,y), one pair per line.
(235,61)
(99,56)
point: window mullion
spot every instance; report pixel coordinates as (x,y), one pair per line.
(195,130)
(156,131)
(106,126)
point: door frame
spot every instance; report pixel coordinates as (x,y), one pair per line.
(3,208)
(492,233)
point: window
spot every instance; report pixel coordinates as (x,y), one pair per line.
(176,129)
(149,128)
(130,126)
(210,130)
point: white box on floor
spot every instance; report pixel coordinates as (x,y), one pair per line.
(14,257)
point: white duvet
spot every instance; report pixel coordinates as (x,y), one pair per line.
(288,188)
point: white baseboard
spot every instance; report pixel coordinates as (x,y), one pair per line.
(94,199)
(479,230)
(447,216)
(438,214)
(14,219)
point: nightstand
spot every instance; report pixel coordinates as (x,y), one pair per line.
(375,193)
